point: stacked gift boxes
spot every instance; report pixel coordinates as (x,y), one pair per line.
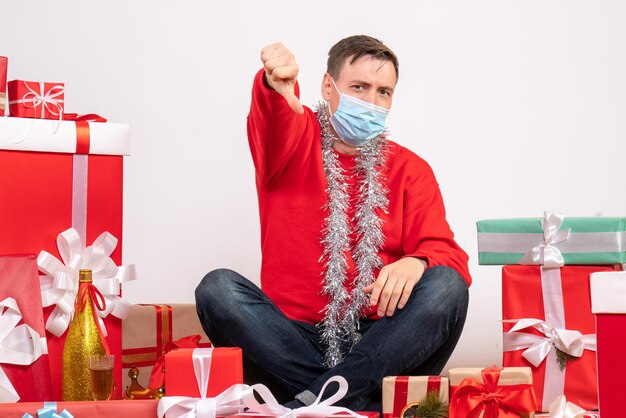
(547,320)
(62,183)
(150,330)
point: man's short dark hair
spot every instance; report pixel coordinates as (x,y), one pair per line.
(355,47)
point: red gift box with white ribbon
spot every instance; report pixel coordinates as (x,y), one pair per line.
(35,99)
(204,382)
(549,327)
(223,369)
(608,303)
(58,175)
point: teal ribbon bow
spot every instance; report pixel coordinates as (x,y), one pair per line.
(49,410)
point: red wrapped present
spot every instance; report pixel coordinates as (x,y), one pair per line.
(193,375)
(608,303)
(401,391)
(32,99)
(149,330)
(23,358)
(222,368)
(493,392)
(550,328)
(50,191)
(3,84)
(81,409)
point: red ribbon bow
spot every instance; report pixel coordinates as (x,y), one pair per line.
(96,297)
(157,378)
(472,397)
(98,303)
(90,117)
(83,134)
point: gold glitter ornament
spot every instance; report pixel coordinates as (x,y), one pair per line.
(84,339)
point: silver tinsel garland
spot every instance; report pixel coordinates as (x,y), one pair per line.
(340,324)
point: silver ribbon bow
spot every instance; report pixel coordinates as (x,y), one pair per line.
(546,253)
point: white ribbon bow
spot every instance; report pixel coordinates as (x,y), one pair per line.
(234,399)
(545,253)
(224,404)
(537,347)
(59,285)
(561,408)
(19,344)
(319,408)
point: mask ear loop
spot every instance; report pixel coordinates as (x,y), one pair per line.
(330,112)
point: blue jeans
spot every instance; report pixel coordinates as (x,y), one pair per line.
(287,356)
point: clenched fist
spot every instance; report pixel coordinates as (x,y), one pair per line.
(281,72)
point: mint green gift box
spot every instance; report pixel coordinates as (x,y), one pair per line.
(591,241)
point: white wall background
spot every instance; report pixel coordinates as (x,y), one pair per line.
(519,106)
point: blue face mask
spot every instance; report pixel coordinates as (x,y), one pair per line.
(356,121)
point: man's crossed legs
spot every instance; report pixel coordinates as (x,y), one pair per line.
(287,355)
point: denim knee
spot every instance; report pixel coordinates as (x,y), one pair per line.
(446,290)
(216,285)
(450,279)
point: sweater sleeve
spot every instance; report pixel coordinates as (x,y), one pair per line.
(426,233)
(274,130)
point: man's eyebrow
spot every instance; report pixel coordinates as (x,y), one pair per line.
(362,82)
(368,84)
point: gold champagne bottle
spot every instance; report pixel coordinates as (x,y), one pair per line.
(84,339)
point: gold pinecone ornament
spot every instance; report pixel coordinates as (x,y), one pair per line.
(429,407)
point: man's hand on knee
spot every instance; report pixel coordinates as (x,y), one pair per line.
(395,283)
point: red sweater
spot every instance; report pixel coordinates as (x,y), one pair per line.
(287,153)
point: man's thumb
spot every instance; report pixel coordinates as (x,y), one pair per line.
(294,103)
